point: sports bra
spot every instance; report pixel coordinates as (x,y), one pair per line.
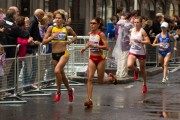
(62,34)
(96,39)
(165,42)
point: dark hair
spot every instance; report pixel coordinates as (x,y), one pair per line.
(58,12)
(134,12)
(113,18)
(144,18)
(10,14)
(168,20)
(127,15)
(100,21)
(119,9)
(20,21)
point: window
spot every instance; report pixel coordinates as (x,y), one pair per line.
(46,5)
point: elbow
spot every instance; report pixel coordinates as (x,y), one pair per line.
(43,42)
(75,37)
(153,45)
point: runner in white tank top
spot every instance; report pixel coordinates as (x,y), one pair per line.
(136,47)
(137,51)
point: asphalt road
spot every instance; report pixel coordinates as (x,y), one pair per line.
(111,102)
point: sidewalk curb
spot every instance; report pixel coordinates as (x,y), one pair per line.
(149,71)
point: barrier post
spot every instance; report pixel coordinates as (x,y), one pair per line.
(38,91)
(14,98)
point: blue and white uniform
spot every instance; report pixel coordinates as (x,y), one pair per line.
(165,46)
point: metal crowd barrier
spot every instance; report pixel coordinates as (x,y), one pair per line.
(151,55)
(9,80)
(38,69)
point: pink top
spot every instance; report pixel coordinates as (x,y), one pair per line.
(22,50)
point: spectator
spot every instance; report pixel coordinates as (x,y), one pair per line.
(32,50)
(147,27)
(43,25)
(122,46)
(34,25)
(20,21)
(110,34)
(2,16)
(50,17)
(18,14)
(15,9)
(134,13)
(2,64)
(119,12)
(156,26)
(12,32)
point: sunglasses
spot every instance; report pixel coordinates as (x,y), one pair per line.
(93,23)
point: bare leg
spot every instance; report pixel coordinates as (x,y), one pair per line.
(101,71)
(166,60)
(143,70)
(130,63)
(161,60)
(59,66)
(91,71)
(65,80)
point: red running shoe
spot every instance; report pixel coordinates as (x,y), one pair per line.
(144,89)
(88,103)
(57,97)
(113,78)
(135,75)
(71,95)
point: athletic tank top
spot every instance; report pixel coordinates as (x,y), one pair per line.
(137,48)
(165,42)
(96,39)
(62,34)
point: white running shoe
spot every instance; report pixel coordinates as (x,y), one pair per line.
(167,78)
(164,80)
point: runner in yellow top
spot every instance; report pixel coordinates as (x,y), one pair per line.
(58,35)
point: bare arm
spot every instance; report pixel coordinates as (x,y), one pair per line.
(155,41)
(84,49)
(146,39)
(105,42)
(48,37)
(71,32)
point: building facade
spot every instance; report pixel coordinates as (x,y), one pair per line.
(82,11)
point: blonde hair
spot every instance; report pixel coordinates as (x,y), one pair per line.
(49,15)
(44,20)
(148,22)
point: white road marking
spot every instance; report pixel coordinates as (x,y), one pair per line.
(129,86)
(175,69)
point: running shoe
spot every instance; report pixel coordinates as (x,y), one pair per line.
(135,75)
(144,89)
(57,97)
(71,95)
(88,103)
(164,80)
(113,78)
